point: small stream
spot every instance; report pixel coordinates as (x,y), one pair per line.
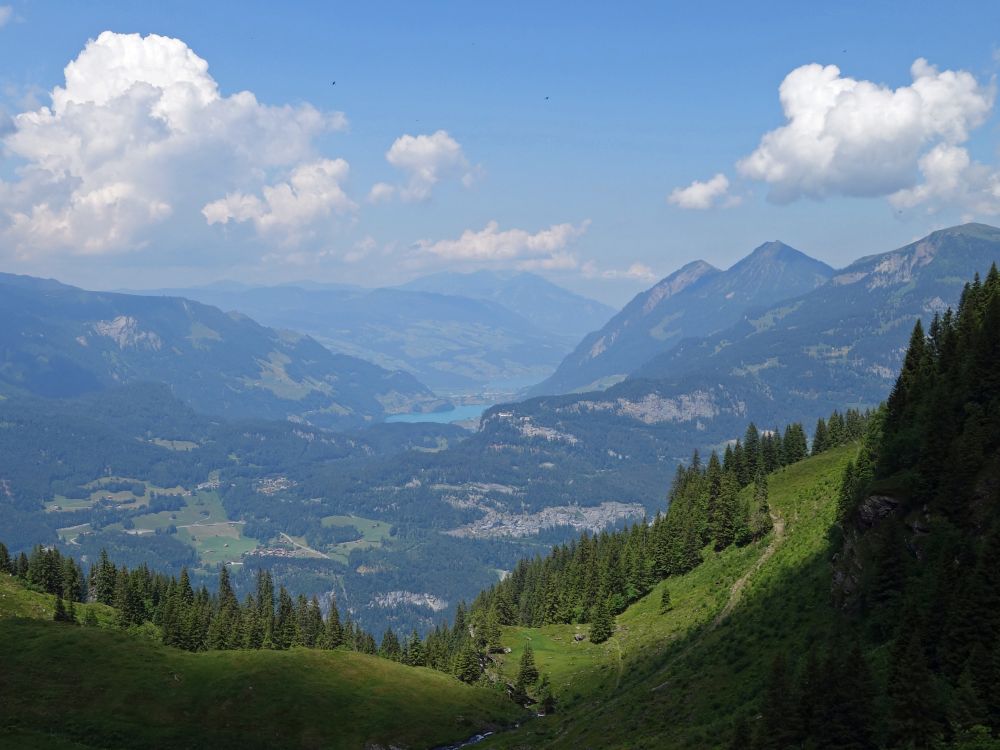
(473,740)
(477,738)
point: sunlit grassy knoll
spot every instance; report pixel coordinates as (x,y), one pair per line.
(65,686)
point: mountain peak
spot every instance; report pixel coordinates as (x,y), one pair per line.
(777,258)
(970,229)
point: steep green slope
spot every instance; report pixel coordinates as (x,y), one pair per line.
(66,686)
(680,679)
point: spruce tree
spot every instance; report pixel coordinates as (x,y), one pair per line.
(59,615)
(527,672)
(466,666)
(415,652)
(334,631)
(603,623)
(760,522)
(390,648)
(6,565)
(819,437)
(665,603)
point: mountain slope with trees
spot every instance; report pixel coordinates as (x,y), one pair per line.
(697,300)
(60,341)
(838,346)
(841,599)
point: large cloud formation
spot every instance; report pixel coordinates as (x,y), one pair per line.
(850,137)
(139,129)
(858,138)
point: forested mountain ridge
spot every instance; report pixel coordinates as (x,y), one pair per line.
(697,300)
(837,346)
(58,340)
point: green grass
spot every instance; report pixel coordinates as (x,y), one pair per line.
(201,523)
(122,498)
(374,533)
(19,601)
(217,543)
(76,687)
(680,679)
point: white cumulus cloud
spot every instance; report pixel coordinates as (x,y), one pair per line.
(852,137)
(6,13)
(545,249)
(312,191)
(700,195)
(426,160)
(140,133)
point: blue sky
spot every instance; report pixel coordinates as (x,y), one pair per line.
(643,99)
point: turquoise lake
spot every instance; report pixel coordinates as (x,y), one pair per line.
(458,414)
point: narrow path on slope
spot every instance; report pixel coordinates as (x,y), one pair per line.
(735,592)
(737,588)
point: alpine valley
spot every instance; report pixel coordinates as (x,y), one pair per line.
(746,484)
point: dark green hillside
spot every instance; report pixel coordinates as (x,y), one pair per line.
(90,687)
(60,341)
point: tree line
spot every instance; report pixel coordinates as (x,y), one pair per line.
(920,541)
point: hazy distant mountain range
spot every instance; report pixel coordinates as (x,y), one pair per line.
(452,331)
(546,306)
(60,341)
